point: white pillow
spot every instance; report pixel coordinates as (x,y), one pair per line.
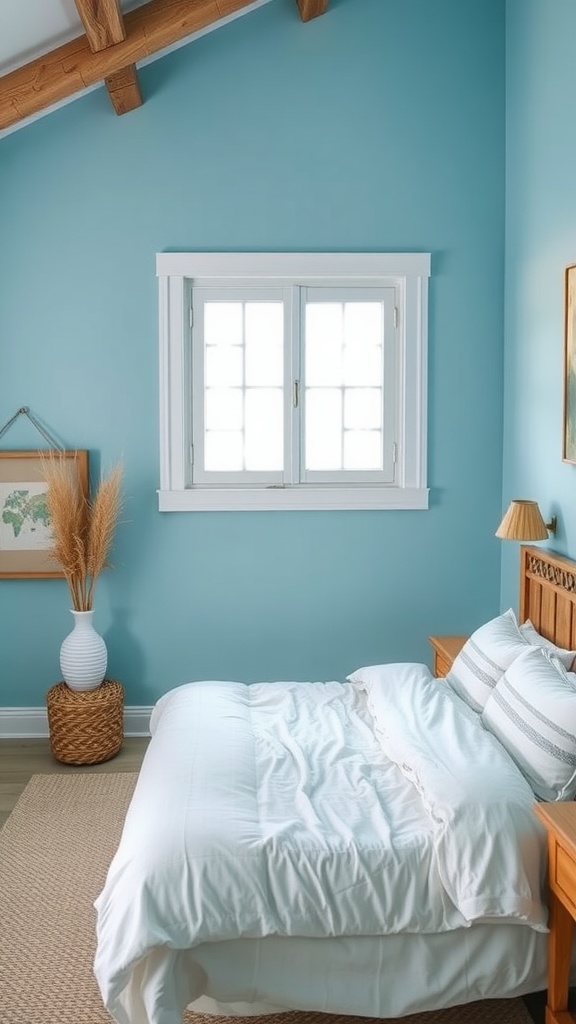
(535,638)
(532,711)
(485,657)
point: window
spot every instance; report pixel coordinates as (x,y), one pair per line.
(292,380)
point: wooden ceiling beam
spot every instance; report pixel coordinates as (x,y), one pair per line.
(74,66)
(103,22)
(124,89)
(104,26)
(312,8)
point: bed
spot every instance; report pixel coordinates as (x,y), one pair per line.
(365,846)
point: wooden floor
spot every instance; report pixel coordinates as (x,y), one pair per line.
(20,759)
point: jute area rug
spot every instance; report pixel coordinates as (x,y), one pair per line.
(55,849)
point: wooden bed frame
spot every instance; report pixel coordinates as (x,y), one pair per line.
(548,594)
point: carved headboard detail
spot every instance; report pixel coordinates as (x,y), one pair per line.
(548,594)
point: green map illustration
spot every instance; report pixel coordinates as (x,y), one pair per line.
(24,516)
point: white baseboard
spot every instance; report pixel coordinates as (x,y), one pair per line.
(32,723)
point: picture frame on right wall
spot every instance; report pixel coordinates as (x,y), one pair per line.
(569,423)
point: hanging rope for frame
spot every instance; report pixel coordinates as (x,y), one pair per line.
(25,411)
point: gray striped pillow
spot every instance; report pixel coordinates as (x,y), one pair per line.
(532,711)
(485,657)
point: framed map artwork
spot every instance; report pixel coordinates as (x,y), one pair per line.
(25,534)
(569,433)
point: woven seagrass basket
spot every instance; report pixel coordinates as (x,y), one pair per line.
(86,727)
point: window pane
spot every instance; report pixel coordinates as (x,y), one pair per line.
(223,323)
(323,363)
(362,408)
(362,449)
(324,320)
(264,321)
(264,429)
(224,409)
(362,365)
(324,325)
(264,343)
(223,450)
(223,366)
(264,364)
(363,323)
(323,428)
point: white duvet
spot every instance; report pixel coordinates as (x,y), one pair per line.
(312,810)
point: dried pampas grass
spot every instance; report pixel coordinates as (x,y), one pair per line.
(82,530)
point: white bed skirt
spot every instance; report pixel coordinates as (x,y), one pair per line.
(388,977)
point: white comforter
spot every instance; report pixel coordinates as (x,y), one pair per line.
(310,809)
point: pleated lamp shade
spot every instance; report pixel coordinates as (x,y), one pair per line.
(522,521)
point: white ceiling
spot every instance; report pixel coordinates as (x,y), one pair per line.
(29,28)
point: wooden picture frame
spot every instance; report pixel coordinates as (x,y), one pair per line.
(25,536)
(569,424)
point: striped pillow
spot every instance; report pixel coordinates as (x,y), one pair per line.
(532,711)
(485,657)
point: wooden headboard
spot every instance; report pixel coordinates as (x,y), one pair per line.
(548,594)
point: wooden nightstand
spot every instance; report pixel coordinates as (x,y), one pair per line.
(559,820)
(445,650)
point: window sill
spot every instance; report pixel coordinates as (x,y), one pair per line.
(296,499)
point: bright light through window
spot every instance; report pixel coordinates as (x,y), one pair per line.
(243,395)
(344,345)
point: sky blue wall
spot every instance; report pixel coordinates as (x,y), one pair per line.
(540,242)
(379,126)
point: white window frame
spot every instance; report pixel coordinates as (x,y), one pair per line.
(179,273)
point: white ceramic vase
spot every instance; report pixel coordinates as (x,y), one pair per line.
(83,655)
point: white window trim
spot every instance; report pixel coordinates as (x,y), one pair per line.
(176,272)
